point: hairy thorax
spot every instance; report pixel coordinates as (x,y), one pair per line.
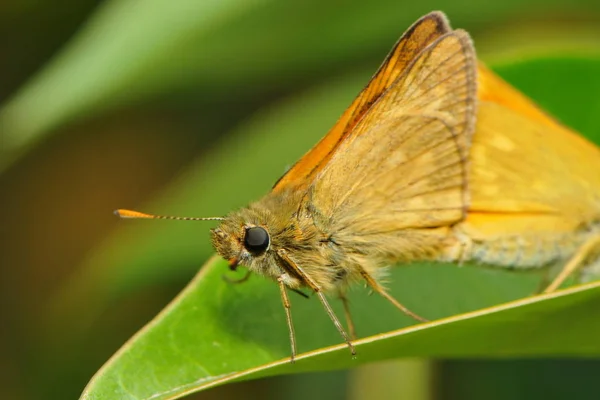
(290,228)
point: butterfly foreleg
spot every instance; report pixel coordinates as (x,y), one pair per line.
(297,270)
(239,280)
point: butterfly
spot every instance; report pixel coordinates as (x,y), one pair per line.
(386,185)
(436,159)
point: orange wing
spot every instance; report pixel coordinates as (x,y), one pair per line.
(524,161)
(531,179)
(422,33)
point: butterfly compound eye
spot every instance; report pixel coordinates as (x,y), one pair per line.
(256,240)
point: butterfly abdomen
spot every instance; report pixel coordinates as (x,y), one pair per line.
(519,251)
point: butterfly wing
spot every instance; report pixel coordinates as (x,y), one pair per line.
(415,39)
(528,172)
(404,165)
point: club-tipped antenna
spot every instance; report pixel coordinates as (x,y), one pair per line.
(121,213)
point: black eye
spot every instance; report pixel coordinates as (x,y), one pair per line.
(256,239)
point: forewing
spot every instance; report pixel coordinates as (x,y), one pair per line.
(405,165)
(413,41)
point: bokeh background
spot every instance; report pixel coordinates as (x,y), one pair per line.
(119,103)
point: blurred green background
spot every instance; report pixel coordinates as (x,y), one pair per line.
(122,103)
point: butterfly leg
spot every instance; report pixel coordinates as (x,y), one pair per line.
(591,271)
(576,262)
(297,270)
(466,248)
(239,280)
(288,315)
(459,248)
(349,321)
(379,289)
(544,281)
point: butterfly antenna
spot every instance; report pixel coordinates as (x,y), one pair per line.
(121,213)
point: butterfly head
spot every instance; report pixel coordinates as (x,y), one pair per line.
(241,240)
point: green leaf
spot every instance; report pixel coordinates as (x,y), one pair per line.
(216,332)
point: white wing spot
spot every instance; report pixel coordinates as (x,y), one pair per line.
(503,143)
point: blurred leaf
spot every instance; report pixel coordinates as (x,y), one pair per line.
(213,334)
(116,57)
(131,51)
